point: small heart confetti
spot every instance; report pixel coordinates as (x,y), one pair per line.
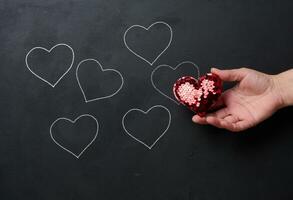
(198,95)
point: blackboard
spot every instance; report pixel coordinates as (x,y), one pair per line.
(189,161)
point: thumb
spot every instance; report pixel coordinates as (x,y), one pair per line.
(231,74)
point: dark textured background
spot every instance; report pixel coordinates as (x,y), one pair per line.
(190,162)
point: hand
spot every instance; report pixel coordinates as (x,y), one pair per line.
(255,98)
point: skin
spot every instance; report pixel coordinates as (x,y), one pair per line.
(255,98)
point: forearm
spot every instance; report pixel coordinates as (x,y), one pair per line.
(284,85)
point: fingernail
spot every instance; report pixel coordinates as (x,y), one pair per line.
(194,119)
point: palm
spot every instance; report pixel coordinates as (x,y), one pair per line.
(250,102)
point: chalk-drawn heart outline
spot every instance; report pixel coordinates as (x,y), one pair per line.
(49,51)
(103,70)
(147,29)
(73,122)
(146,112)
(173,68)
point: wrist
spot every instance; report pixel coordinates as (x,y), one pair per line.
(283,83)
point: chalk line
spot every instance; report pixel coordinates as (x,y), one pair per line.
(49,51)
(103,70)
(147,28)
(146,112)
(73,121)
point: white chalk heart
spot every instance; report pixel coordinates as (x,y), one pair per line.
(98,67)
(158,52)
(57,75)
(149,146)
(71,123)
(173,69)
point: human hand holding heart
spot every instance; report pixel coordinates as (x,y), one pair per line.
(255,98)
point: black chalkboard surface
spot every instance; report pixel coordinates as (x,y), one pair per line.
(81,118)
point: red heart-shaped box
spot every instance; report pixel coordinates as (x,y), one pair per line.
(198,95)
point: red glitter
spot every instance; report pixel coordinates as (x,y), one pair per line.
(198,95)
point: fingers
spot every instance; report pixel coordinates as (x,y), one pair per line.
(241,126)
(232,74)
(231,119)
(233,126)
(225,124)
(222,113)
(222,120)
(217,122)
(199,120)
(218,114)
(220,123)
